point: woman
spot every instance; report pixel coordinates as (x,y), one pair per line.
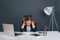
(28,24)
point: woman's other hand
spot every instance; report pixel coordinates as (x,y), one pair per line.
(33,23)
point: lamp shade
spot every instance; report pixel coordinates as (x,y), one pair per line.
(48,10)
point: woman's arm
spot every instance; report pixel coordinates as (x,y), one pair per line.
(34,29)
(33,24)
(22,27)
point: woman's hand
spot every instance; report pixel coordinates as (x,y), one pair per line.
(23,25)
(33,24)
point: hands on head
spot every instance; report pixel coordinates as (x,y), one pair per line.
(28,21)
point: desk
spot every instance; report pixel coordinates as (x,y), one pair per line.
(51,35)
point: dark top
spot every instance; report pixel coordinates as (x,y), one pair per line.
(25,28)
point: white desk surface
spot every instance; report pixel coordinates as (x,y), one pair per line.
(51,35)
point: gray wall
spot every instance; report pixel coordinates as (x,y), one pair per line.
(58,12)
(12,11)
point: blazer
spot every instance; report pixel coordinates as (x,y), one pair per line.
(25,28)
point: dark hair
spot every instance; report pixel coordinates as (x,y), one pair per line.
(27,17)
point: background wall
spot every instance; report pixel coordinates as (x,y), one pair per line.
(12,11)
(58,12)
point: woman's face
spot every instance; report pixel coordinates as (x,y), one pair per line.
(28,22)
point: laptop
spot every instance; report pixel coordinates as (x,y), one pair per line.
(9,30)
